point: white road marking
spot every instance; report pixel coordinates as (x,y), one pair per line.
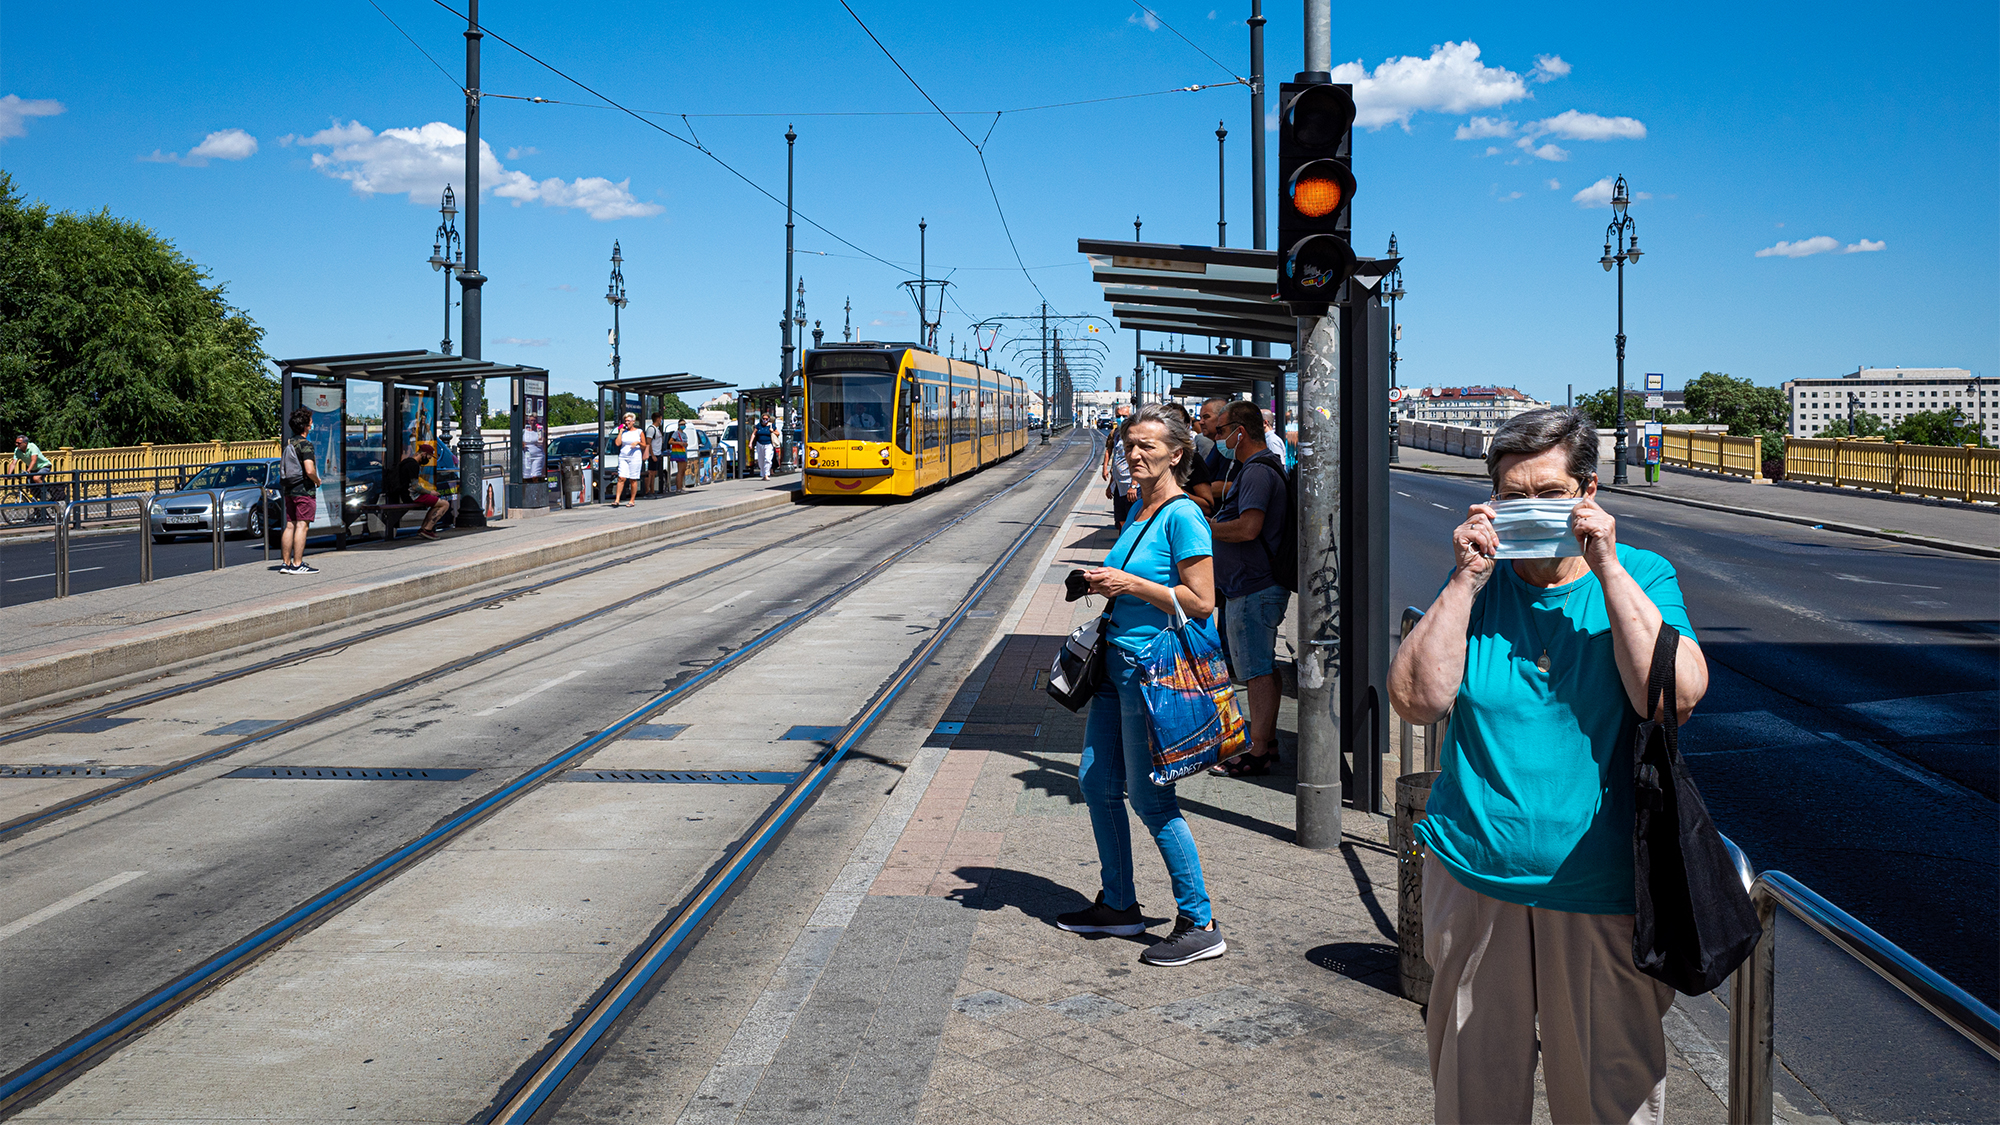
(1439,506)
(70,903)
(1877,582)
(532,692)
(1405,494)
(88,569)
(732,600)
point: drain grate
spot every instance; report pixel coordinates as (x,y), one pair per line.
(349,773)
(811,734)
(74,771)
(244,726)
(98,725)
(684,777)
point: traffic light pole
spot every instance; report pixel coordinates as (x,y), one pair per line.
(471,450)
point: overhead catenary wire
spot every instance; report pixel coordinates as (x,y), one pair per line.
(693,144)
(1204,54)
(1191,88)
(449,77)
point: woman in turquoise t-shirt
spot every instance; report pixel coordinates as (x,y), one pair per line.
(1542,664)
(1163,554)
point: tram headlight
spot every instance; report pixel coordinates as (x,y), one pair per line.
(885,455)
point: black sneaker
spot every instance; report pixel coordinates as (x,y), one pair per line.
(306,568)
(1187,943)
(1098,918)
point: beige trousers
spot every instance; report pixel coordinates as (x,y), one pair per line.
(1502,970)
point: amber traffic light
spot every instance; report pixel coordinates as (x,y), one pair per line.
(1315,137)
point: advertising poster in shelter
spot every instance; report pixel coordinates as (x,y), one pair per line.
(325,401)
(417,422)
(534,429)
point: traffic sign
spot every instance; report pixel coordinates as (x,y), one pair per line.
(1655,381)
(1395,394)
(1654,402)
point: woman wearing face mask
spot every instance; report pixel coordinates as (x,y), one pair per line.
(1162,555)
(1540,646)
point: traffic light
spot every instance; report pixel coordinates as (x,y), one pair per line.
(1316,187)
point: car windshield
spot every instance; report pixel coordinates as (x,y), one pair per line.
(227,476)
(849,407)
(730,433)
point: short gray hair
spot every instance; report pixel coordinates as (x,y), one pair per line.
(1539,431)
(1179,437)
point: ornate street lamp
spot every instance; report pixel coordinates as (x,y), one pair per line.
(1621,245)
(448,256)
(1393,289)
(615,297)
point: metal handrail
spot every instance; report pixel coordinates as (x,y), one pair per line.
(1432,731)
(1753,985)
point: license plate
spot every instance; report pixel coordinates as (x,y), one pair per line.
(181,521)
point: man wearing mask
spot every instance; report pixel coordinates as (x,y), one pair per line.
(1246,529)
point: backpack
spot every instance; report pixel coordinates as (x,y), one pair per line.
(1285,560)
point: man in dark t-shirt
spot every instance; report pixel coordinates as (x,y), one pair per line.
(1248,528)
(298,476)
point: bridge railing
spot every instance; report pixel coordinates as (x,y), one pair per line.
(1950,472)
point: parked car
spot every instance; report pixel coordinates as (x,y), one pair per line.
(251,502)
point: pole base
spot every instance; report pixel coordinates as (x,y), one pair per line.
(1318,816)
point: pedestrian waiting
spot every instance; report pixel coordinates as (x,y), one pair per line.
(1541,645)
(1248,525)
(677,456)
(1163,558)
(762,445)
(298,478)
(631,462)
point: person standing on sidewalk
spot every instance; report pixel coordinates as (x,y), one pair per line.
(298,478)
(1163,557)
(763,447)
(677,456)
(1543,664)
(1200,484)
(1116,470)
(656,448)
(1247,527)
(631,460)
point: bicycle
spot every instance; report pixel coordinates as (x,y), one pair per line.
(31,502)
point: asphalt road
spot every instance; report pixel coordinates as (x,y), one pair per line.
(1851,738)
(100,562)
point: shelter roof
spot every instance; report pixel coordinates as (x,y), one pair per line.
(1199,290)
(680,383)
(424,367)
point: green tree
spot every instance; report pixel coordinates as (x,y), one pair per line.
(1935,427)
(1714,398)
(1602,407)
(1866,425)
(566,409)
(109,336)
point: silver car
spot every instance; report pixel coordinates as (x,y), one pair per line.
(250,502)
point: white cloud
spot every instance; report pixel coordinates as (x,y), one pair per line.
(1144,19)
(1596,195)
(15,111)
(1548,68)
(1573,126)
(564,288)
(1803,248)
(1555,185)
(223,144)
(1450,80)
(1492,150)
(518,342)
(421,161)
(1481,127)
(1540,152)
(1819,244)
(519,151)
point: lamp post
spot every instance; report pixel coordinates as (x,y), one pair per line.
(1392,287)
(1137,372)
(447,256)
(615,296)
(1623,235)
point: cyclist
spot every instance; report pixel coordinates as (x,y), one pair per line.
(30,460)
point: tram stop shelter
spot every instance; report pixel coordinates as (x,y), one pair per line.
(1207,375)
(378,408)
(751,403)
(641,395)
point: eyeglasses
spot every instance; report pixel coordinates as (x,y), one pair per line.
(1545,494)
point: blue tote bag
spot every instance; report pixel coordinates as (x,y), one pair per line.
(1193,718)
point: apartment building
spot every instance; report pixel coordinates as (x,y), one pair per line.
(1819,407)
(1485,407)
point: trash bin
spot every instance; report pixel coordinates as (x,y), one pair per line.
(572,481)
(1412,791)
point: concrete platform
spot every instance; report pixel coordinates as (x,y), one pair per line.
(1949,525)
(60,646)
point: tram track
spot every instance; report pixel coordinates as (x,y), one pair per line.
(58,1066)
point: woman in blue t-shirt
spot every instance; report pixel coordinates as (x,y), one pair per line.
(1163,554)
(1542,663)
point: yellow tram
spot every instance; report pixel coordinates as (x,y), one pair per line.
(895,419)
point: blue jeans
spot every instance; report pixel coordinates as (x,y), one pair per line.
(1116,762)
(1252,628)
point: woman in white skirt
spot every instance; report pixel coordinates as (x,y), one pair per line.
(632,454)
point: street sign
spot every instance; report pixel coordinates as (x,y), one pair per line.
(1654,402)
(1395,394)
(1652,441)
(1655,381)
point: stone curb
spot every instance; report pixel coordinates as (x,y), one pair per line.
(1979,549)
(65,672)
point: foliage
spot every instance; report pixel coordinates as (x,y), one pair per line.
(1935,427)
(1602,407)
(1867,425)
(109,336)
(1714,398)
(566,409)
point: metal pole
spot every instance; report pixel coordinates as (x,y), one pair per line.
(1221,196)
(1137,372)
(471,449)
(62,547)
(146,545)
(1752,1023)
(1258,188)
(215,529)
(1319,475)
(1618,440)
(784,306)
(1319,42)
(1048,412)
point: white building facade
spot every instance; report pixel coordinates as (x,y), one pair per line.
(1484,407)
(1820,407)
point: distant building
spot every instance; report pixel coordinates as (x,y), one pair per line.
(1484,407)
(1820,407)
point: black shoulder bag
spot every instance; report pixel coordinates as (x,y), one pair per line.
(1694,920)
(1078,668)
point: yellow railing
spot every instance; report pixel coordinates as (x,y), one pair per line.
(139,458)
(1714,451)
(1952,472)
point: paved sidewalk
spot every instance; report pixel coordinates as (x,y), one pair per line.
(1301,1021)
(62,644)
(1948,524)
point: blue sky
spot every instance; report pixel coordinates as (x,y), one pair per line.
(297,152)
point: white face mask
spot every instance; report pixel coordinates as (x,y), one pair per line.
(1535,529)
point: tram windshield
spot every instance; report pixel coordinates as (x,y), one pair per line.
(849,407)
